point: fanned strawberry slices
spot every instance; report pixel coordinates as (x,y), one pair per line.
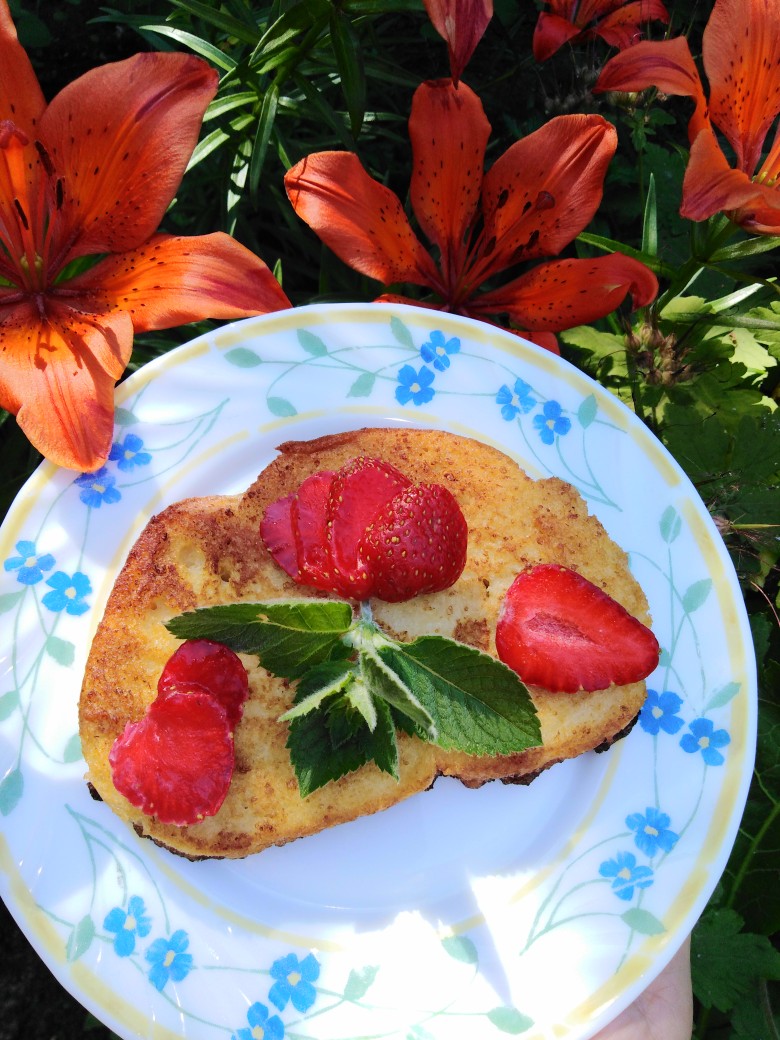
(559,631)
(176,762)
(366,530)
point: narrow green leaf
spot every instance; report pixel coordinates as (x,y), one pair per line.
(650,225)
(124,417)
(695,595)
(401,332)
(477,704)
(9,600)
(11,791)
(194,43)
(311,344)
(643,921)
(510,1020)
(282,407)
(243,357)
(671,524)
(9,702)
(360,981)
(587,411)
(723,696)
(363,385)
(349,61)
(388,685)
(72,752)
(61,650)
(461,948)
(220,19)
(289,636)
(80,938)
(359,698)
(265,125)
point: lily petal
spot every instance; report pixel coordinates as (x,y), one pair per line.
(462,24)
(564,293)
(741,47)
(667,65)
(120,138)
(361,220)
(543,191)
(21,97)
(58,374)
(711,186)
(449,133)
(551,33)
(623,27)
(172,280)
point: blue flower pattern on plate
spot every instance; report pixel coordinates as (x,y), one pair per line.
(626,874)
(294,981)
(68,593)
(98,488)
(414,385)
(660,712)
(651,831)
(262,1024)
(552,422)
(437,349)
(127,924)
(705,738)
(169,959)
(515,401)
(128,454)
(29,565)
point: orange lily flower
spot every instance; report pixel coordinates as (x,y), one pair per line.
(617,23)
(741,52)
(462,24)
(92,174)
(534,200)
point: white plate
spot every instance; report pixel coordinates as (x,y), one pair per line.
(538,911)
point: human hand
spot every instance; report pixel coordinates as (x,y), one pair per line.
(664,1011)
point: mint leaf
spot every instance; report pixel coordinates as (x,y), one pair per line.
(478,705)
(289,636)
(388,685)
(320,682)
(326,745)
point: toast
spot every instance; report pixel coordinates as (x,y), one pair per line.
(207,551)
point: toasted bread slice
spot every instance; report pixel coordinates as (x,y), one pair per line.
(205,551)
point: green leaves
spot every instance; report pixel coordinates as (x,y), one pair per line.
(356,686)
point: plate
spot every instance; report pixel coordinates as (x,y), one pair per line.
(539,911)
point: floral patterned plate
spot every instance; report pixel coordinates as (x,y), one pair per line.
(538,911)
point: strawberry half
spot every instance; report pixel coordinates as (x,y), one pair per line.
(310,530)
(211,666)
(559,631)
(177,761)
(276,530)
(359,491)
(416,544)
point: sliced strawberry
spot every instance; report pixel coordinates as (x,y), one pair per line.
(417,543)
(210,666)
(359,490)
(276,530)
(559,631)
(177,761)
(310,529)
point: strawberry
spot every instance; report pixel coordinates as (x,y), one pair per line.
(177,761)
(559,631)
(310,530)
(203,664)
(416,543)
(359,490)
(276,530)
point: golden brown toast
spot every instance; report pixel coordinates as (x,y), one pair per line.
(206,551)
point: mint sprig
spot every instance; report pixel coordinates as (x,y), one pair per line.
(357,686)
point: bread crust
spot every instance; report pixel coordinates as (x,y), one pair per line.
(205,551)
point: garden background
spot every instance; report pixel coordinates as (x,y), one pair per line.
(702,372)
